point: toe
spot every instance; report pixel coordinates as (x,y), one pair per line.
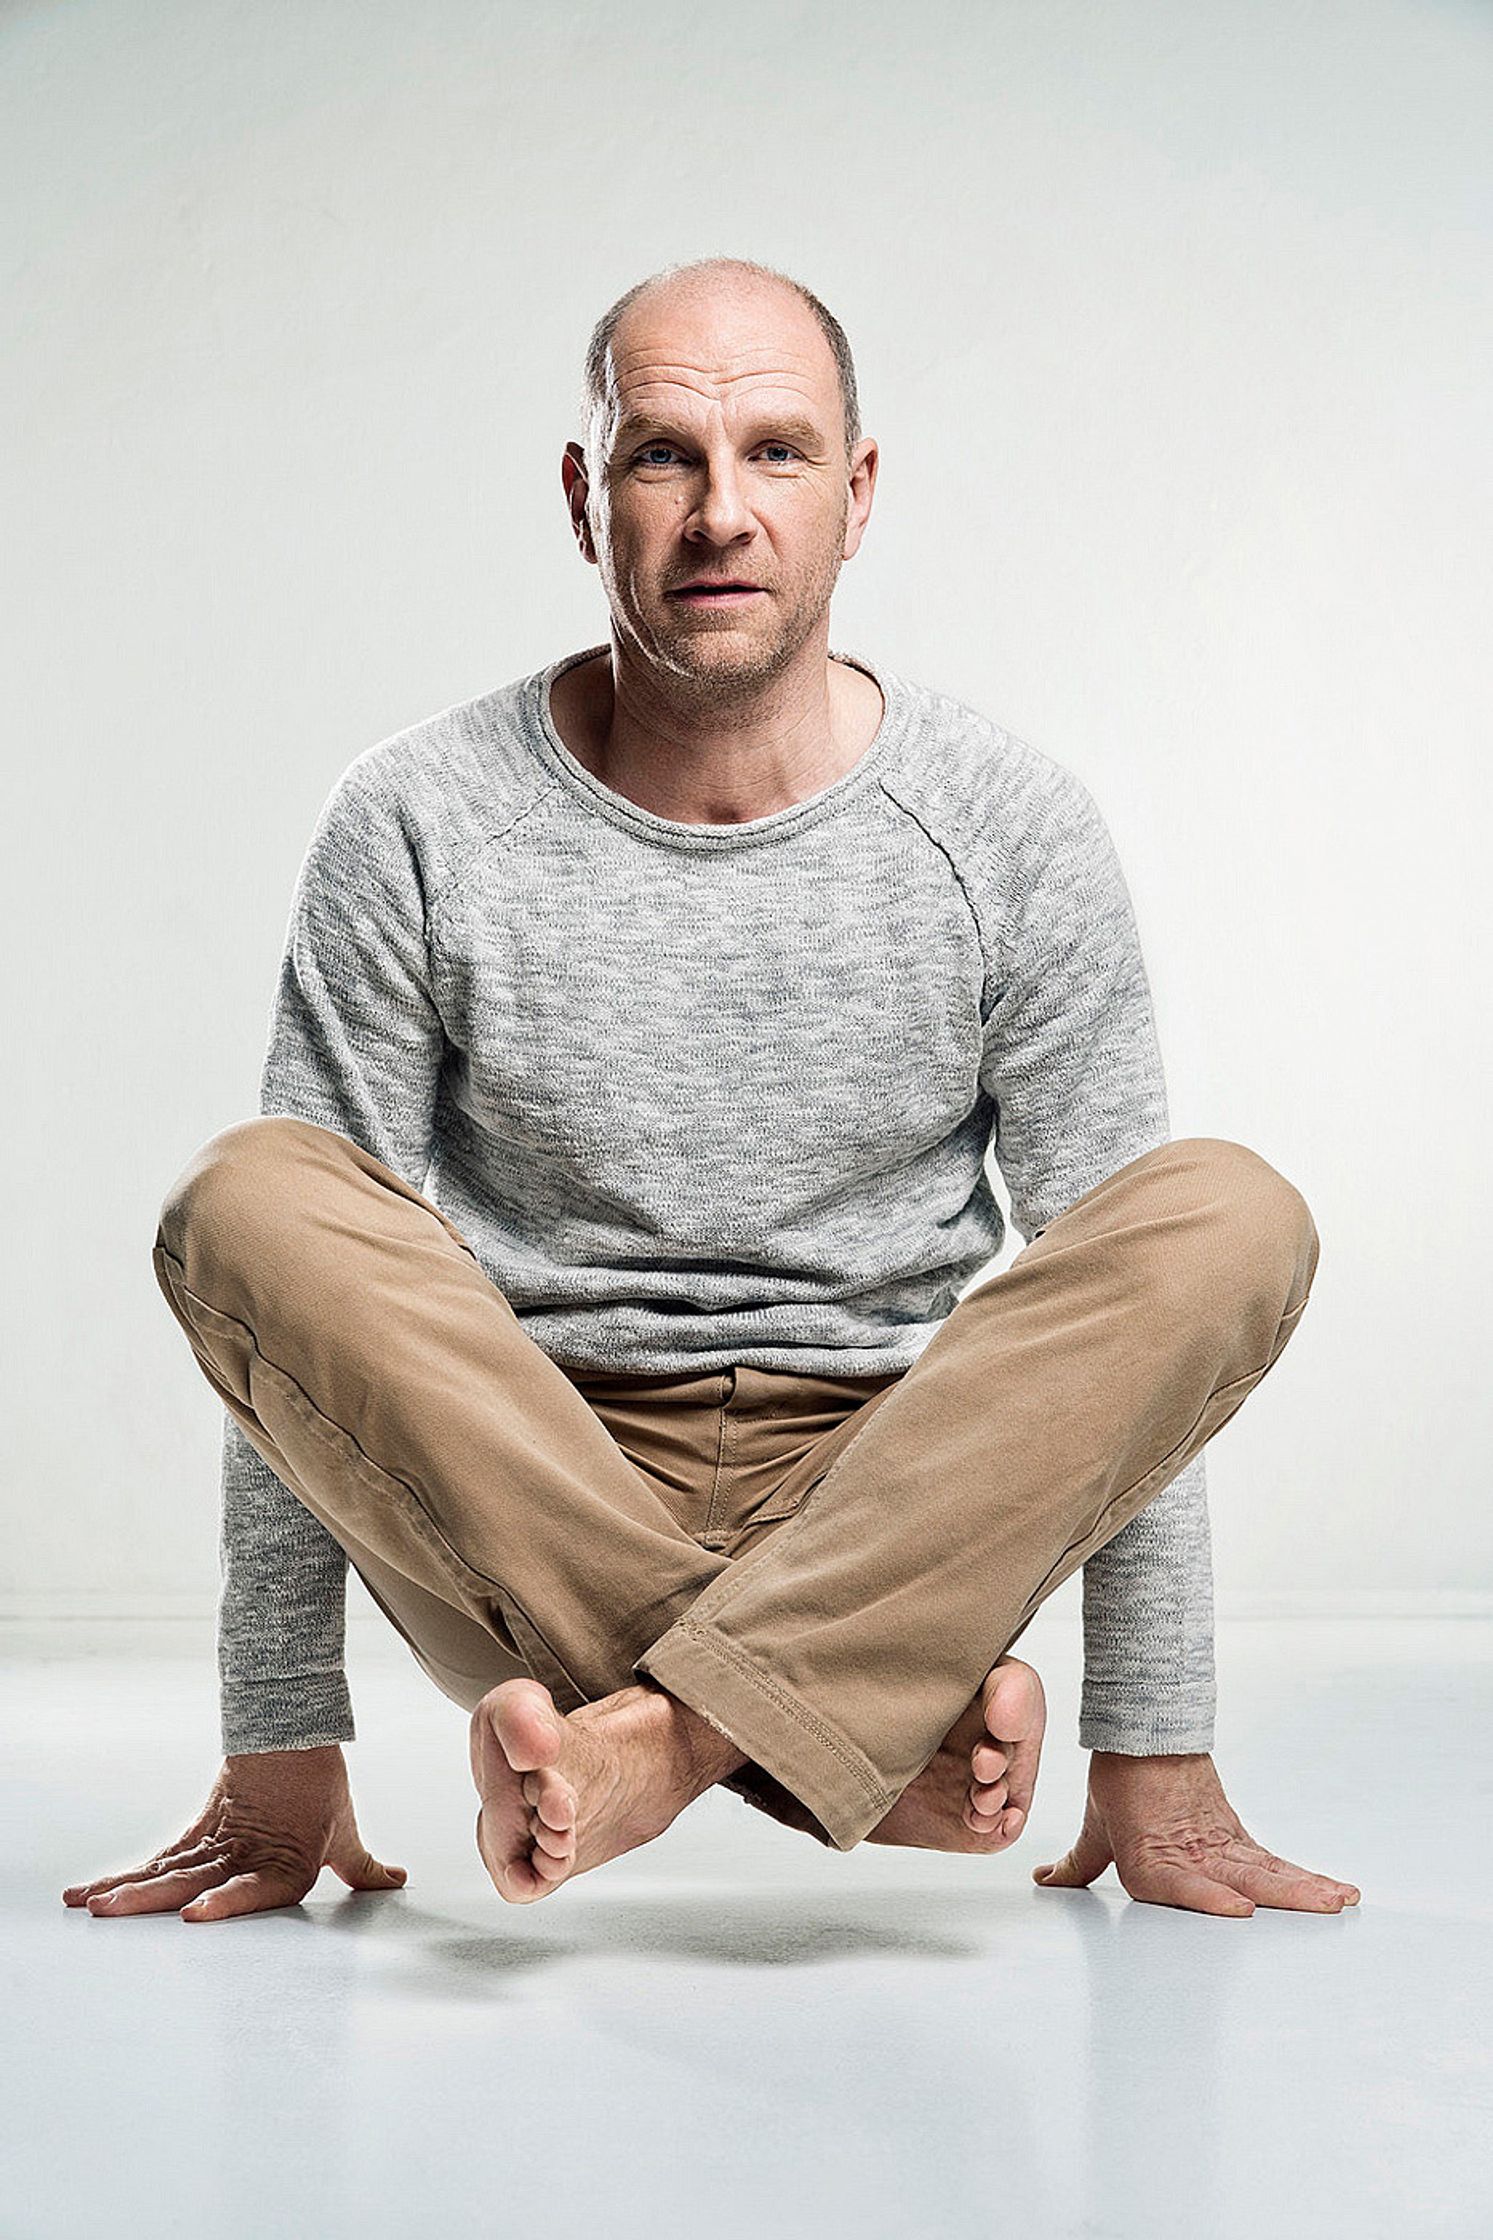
(988,1762)
(1013,1702)
(550,1870)
(522,1883)
(1022,1781)
(527,1723)
(1016,1716)
(555,1842)
(998,1828)
(555,1803)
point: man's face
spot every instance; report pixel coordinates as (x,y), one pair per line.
(722,458)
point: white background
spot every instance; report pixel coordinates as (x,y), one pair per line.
(1171,321)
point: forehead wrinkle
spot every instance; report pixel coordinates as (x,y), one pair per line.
(664,397)
(701,381)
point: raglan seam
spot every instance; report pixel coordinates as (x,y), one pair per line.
(946,850)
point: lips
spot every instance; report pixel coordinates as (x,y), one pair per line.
(716,591)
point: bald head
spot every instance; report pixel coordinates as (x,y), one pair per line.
(726,315)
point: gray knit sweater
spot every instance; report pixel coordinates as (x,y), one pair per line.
(704,1094)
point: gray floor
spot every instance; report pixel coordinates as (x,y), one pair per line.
(736,2031)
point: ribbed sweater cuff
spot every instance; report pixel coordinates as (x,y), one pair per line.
(303,1712)
(1145,1735)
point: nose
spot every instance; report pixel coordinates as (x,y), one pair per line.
(720,514)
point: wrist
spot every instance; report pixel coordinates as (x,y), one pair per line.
(283,1773)
(1150,1757)
(306,1753)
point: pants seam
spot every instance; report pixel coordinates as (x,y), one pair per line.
(1039,1593)
(722,1461)
(795,1516)
(330,1433)
(802,1714)
(1217,1393)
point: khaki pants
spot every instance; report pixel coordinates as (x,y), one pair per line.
(823,1567)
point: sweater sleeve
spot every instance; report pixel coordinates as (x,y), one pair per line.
(1072,1062)
(356,1044)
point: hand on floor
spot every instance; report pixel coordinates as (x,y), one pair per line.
(273,1821)
(1175,1840)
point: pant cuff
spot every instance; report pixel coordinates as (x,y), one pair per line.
(757,1787)
(812,1759)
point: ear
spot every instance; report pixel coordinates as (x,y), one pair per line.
(577,493)
(863,464)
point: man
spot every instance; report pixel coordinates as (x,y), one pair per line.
(699,973)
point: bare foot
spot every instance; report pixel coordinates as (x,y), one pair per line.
(564,1792)
(975,1792)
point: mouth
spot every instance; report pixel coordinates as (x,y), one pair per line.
(716,594)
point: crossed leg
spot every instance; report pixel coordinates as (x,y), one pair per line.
(1120,1341)
(349,1328)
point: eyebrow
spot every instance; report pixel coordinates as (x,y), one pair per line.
(792,425)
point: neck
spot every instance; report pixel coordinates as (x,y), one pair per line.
(707,751)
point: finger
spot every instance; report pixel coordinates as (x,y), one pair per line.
(361,1871)
(159,1894)
(1292,1890)
(1348,1891)
(1160,1885)
(79,1893)
(1077,1868)
(247,1893)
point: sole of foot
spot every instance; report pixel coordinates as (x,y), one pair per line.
(976,1790)
(526,1823)
(563,1792)
(1004,1762)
